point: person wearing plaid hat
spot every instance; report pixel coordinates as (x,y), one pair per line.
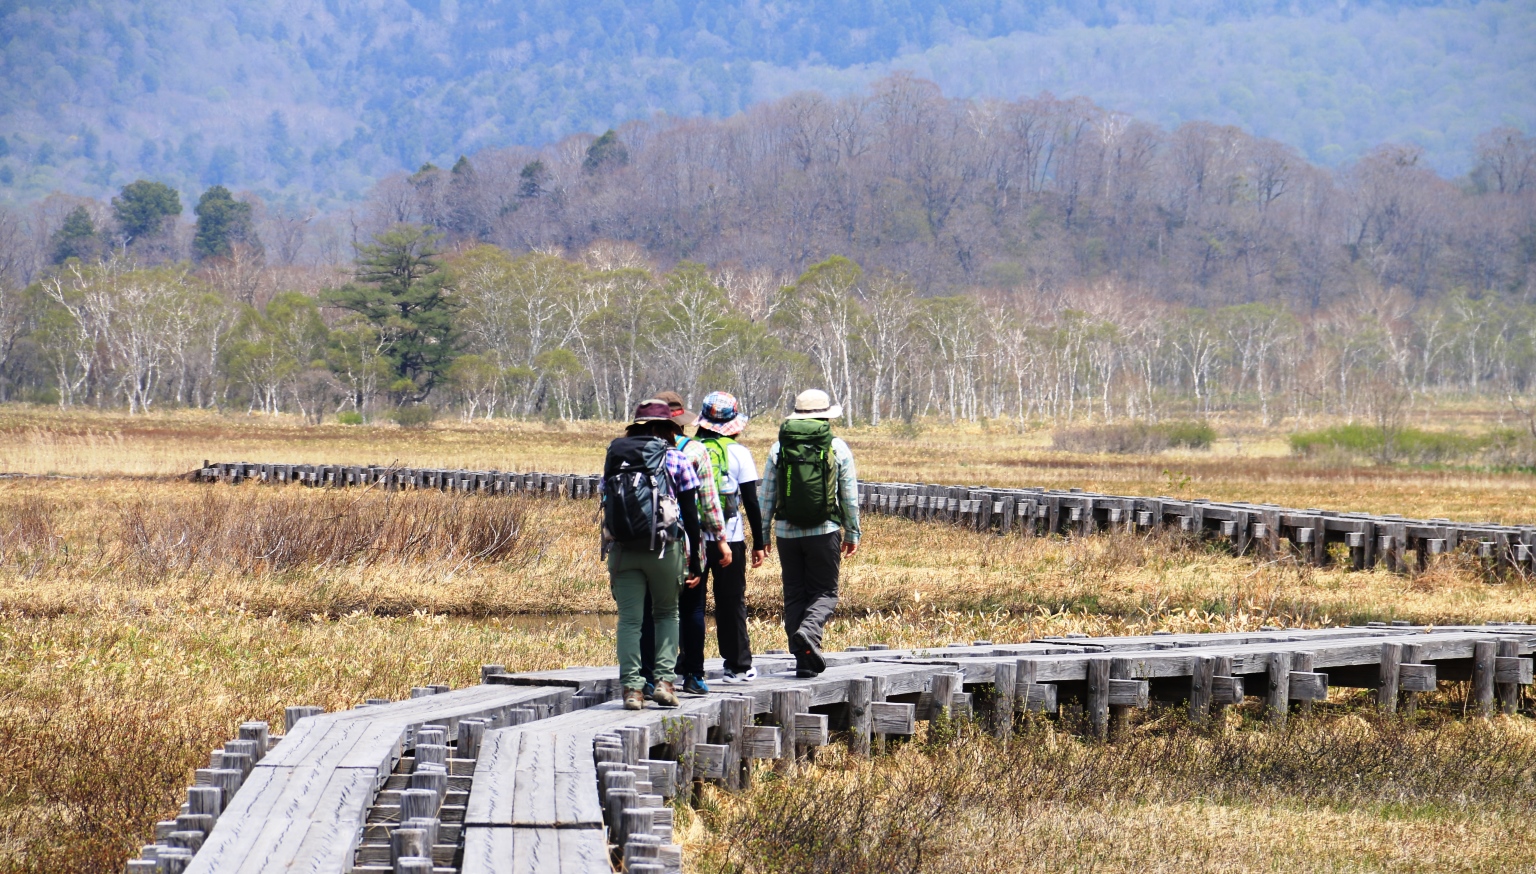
(719,421)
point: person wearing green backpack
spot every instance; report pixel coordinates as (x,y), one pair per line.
(811,492)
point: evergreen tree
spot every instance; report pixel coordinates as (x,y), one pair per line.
(465,219)
(222,222)
(75,239)
(534,176)
(141,209)
(605,151)
(403,293)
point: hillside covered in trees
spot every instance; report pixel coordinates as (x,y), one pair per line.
(1038,260)
(307,102)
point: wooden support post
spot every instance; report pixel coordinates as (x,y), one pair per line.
(291,715)
(1004,685)
(1271,538)
(1484,654)
(1120,714)
(787,703)
(682,734)
(1201,676)
(944,686)
(1277,701)
(1412,653)
(876,695)
(1302,662)
(1387,677)
(1024,672)
(1098,696)
(735,713)
(1508,688)
(859,693)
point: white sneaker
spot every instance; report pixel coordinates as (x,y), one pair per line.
(750,675)
(730,679)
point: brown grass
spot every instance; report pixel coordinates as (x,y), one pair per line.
(143,617)
(1332,793)
(103,717)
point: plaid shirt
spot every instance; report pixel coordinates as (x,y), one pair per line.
(711,517)
(847,496)
(678,466)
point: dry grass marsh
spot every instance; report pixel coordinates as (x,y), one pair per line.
(143,617)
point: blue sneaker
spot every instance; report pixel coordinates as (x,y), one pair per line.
(695,685)
(650,688)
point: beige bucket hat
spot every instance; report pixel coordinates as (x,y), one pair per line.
(815,404)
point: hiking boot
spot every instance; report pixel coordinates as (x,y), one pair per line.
(807,655)
(806,674)
(665,694)
(694,684)
(634,699)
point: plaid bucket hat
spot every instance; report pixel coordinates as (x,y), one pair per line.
(722,414)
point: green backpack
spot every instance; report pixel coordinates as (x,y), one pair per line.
(719,456)
(807,476)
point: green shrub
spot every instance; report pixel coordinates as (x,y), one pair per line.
(350,417)
(1412,445)
(1191,435)
(413,415)
(1434,447)
(1361,440)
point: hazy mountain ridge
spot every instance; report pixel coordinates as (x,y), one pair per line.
(314,99)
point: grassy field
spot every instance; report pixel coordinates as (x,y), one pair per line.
(143,617)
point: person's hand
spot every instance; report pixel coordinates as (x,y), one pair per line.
(850,547)
(725,553)
(692,581)
(757,558)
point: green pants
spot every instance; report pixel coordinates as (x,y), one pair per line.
(632,573)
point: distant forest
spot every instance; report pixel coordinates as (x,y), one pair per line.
(1039,194)
(1036,260)
(307,103)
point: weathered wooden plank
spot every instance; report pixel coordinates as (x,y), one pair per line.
(533,777)
(534,851)
(893,718)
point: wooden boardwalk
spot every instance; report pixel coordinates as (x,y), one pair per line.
(1356,541)
(546,772)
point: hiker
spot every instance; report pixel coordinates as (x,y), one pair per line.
(712,521)
(650,535)
(719,421)
(811,491)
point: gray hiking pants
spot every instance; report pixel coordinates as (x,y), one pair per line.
(811,566)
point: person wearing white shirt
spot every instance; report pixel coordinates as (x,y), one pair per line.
(719,422)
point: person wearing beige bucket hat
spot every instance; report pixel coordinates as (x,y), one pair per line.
(810,490)
(815,404)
